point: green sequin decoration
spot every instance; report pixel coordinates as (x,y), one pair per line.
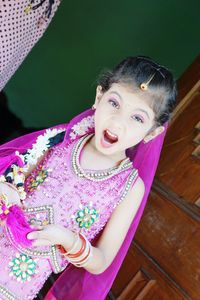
(37,180)
(22,267)
(86,217)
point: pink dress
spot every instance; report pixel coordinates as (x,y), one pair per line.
(59,197)
(19,32)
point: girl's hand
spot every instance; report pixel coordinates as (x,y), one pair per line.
(49,235)
(11,193)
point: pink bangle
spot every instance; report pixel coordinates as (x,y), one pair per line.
(73,247)
(83,246)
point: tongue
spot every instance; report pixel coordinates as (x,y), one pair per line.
(109,138)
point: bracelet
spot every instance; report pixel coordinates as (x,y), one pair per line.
(84,261)
(74,245)
(83,246)
(82,256)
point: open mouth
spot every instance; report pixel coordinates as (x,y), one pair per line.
(109,138)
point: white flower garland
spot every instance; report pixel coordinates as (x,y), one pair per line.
(82,127)
(32,155)
(38,149)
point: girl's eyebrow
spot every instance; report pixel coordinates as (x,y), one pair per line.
(144,111)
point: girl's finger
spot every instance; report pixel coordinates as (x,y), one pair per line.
(41,242)
(34,235)
(35,226)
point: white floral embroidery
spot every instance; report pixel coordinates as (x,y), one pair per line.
(82,127)
(38,149)
(2,178)
(20,155)
(32,155)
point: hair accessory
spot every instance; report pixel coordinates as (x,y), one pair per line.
(159,70)
(144,85)
(155,65)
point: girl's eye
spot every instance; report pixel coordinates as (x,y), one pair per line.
(116,105)
(139,119)
(113,103)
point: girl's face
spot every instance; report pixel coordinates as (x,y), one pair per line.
(122,119)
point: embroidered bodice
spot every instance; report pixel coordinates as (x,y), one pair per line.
(57,194)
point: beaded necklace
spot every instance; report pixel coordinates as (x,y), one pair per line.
(87,214)
(97,175)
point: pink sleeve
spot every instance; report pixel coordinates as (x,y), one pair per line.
(19,32)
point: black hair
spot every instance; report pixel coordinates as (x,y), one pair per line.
(141,69)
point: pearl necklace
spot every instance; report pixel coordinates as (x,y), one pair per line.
(98,175)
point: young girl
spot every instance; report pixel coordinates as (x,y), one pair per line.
(83,186)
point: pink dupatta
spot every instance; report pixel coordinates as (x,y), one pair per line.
(77,283)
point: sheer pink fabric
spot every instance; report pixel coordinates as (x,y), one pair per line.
(76,283)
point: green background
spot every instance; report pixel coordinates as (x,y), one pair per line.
(58,78)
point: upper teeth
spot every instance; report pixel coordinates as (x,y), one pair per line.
(111,134)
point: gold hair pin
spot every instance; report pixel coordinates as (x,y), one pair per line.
(144,85)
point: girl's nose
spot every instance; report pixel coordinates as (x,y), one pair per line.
(117,125)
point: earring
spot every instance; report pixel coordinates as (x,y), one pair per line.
(93,107)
